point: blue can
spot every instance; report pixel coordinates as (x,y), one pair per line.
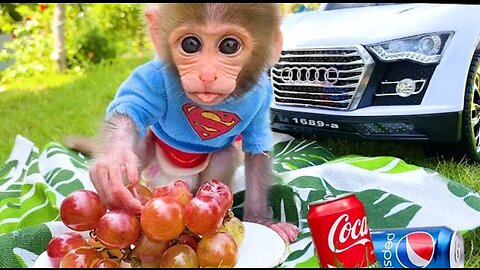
(421,247)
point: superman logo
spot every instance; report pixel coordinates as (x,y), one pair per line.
(209,124)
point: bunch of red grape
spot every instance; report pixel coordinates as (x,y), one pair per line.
(175,229)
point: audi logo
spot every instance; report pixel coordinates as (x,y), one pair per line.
(314,75)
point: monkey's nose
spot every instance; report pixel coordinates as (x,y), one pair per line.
(208,77)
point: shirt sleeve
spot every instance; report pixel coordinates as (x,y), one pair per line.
(257,137)
(141,97)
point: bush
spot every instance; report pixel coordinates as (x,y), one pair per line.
(30,47)
(93,33)
(89,46)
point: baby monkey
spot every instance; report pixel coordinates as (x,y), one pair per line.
(179,114)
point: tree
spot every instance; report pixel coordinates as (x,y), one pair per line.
(58,30)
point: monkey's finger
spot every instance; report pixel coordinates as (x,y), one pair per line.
(99,178)
(121,197)
(129,202)
(131,166)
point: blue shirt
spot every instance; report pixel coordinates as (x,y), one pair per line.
(153,97)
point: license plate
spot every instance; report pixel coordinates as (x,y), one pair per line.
(303,121)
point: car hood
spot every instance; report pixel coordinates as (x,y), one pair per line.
(364,25)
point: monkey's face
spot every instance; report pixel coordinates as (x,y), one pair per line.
(209,59)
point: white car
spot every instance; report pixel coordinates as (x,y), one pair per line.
(382,71)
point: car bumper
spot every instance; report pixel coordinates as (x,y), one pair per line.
(441,127)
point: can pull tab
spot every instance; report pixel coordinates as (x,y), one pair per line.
(328,196)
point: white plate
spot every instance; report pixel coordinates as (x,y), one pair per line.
(262,247)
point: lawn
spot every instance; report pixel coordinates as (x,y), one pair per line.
(46,109)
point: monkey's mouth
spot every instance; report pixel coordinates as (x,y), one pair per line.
(207,97)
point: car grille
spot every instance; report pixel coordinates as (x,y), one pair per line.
(331,78)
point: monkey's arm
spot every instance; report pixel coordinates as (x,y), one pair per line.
(113,158)
(257,143)
(137,104)
(258,177)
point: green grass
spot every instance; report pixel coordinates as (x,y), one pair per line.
(48,108)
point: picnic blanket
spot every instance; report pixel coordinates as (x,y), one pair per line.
(33,183)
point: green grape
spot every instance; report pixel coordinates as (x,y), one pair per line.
(235,228)
(179,256)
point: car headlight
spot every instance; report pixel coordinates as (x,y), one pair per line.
(426,48)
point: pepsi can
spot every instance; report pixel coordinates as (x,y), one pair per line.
(422,247)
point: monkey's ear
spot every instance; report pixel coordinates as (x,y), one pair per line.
(277,47)
(154,19)
(151,13)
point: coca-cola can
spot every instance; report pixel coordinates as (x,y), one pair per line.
(340,232)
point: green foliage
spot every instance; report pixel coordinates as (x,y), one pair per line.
(31,47)
(298,7)
(123,25)
(90,46)
(8,13)
(93,33)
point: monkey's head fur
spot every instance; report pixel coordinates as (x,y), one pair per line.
(217,49)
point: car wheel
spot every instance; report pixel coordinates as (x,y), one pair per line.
(468,148)
(471,113)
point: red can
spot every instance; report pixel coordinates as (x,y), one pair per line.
(340,232)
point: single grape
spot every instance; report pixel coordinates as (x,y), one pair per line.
(81,210)
(178,190)
(179,256)
(81,257)
(61,244)
(189,240)
(140,192)
(118,229)
(219,191)
(162,219)
(217,250)
(148,250)
(149,265)
(203,215)
(235,228)
(106,263)
(112,253)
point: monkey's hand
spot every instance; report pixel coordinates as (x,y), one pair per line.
(107,172)
(287,231)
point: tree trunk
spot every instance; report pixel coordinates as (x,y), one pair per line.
(58,30)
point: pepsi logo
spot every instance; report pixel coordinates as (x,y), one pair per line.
(415,250)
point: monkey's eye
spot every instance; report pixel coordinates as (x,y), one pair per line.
(191,44)
(229,46)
